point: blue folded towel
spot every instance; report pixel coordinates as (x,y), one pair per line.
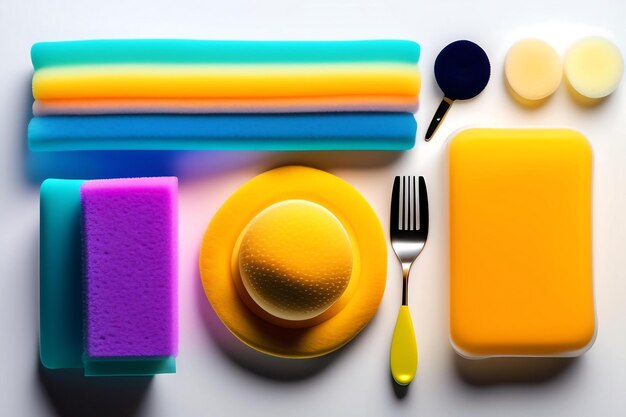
(293,132)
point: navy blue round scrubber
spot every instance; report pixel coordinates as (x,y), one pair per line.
(462,71)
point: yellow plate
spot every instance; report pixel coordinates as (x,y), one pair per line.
(336,326)
(520,243)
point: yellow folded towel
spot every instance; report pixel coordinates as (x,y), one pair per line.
(225,81)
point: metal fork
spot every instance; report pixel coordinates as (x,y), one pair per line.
(407,240)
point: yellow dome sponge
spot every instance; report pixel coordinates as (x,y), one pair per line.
(295,259)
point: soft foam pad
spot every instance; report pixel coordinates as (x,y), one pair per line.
(462,70)
(593,67)
(520,242)
(60,275)
(61,284)
(224,81)
(380,103)
(533,70)
(305,131)
(48,54)
(295,259)
(130,250)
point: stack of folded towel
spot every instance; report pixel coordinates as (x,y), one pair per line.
(184,94)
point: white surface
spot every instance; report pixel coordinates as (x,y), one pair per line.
(217,376)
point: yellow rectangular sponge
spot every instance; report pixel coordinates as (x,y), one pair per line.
(520,243)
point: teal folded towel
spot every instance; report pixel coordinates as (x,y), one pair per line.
(295,132)
(184,51)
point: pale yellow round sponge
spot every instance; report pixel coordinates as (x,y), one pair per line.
(593,67)
(295,259)
(533,70)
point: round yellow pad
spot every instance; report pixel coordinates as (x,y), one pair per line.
(295,259)
(533,70)
(262,331)
(593,67)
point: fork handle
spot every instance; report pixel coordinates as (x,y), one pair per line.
(403,356)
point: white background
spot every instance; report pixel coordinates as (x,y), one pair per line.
(216,374)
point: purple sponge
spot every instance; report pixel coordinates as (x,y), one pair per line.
(130,250)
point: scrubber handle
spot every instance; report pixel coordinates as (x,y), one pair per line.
(440,114)
(403,357)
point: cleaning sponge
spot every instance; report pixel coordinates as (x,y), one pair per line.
(224,81)
(378,103)
(533,71)
(60,276)
(117,316)
(300,131)
(129,233)
(186,51)
(593,69)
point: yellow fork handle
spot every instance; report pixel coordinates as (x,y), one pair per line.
(403,357)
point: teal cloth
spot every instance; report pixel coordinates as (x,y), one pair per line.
(60,275)
(184,51)
(294,132)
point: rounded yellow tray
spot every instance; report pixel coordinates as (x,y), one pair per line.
(341,322)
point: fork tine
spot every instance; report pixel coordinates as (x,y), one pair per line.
(407,203)
(414,204)
(404,204)
(423,206)
(395,205)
